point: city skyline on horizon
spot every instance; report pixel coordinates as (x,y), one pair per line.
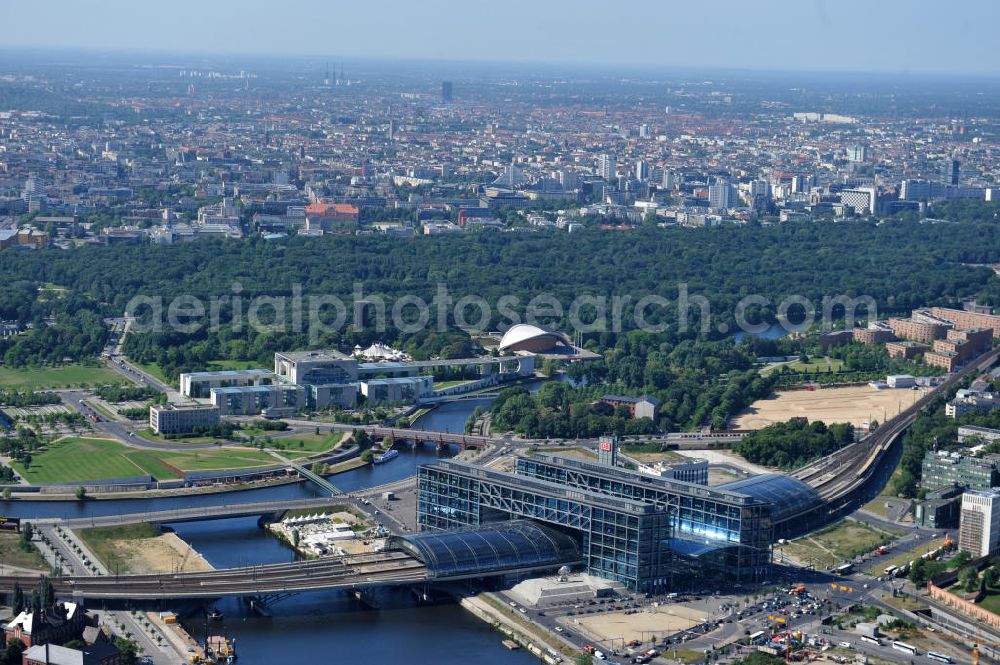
(893,36)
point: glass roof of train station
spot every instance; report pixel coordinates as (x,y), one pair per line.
(491,548)
(788,495)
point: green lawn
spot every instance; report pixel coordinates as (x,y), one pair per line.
(150,435)
(12,554)
(156,372)
(991,601)
(58,376)
(309,443)
(836,543)
(216,365)
(79,460)
(101,541)
(815,364)
(214,460)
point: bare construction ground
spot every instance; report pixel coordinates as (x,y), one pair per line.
(163,554)
(643,625)
(851,404)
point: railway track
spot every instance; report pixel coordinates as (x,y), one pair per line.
(840,474)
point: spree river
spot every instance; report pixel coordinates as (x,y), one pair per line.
(322,627)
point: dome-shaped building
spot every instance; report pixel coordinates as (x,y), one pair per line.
(526,337)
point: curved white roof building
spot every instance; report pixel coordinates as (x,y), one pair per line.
(526,337)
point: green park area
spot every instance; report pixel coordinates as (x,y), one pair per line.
(15,553)
(836,543)
(218,365)
(308,443)
(56,376)
(811,366)
(76,459)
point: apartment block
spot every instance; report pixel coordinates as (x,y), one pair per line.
(918,330)
(905,349)
(963,319)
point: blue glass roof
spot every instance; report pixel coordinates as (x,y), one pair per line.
(491,548)
(788,495)
(693,548)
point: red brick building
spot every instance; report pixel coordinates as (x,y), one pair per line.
(918,331)
(332,217)
(963,319)
(872,335)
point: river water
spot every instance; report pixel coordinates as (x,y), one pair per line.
(322,627)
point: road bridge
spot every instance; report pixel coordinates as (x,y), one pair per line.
(196,514)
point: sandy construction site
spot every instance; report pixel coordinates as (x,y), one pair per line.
(663,620)
(164,554)
(851,404)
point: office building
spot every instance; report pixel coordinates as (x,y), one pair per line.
(973,434)
(979,528)
(641,171)
(862,199)
(950,171)
(199,384)
(722,195)
(398,390)
(652,534)
(607,167)
(944,469)
(446,91)
(272,400)
(669,180)
(182,418)
(857,153)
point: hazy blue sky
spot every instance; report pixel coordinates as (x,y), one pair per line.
(933,36)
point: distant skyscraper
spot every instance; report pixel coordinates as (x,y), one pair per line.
(446,91)
(857,153)
(950,171)
(644,131)
(607,166)
(392,130)
(862,199)
(722,195)
(669,180)
(641,171)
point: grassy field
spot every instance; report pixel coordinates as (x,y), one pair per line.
(309,443)
(836,543)
(217,365)
(215,460)
(156,372)
(100,539)
(61,376)
(11,553)
(81,459)
(149,435)
(825,364)
(991,601)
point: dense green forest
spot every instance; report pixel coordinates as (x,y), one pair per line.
(700,377)
(794,443)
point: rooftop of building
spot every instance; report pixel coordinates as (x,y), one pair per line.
(229,372)
(787,494)
(487,548)
(665,484)
(186,406)
(238,390)
(312,356)
(526,483)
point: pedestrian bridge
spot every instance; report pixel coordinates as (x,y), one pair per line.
(504,548)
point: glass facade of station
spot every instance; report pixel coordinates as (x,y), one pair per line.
(650,533)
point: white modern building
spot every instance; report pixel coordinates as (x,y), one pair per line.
(979,529)
(200,384)
(607,166)
(181,418)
